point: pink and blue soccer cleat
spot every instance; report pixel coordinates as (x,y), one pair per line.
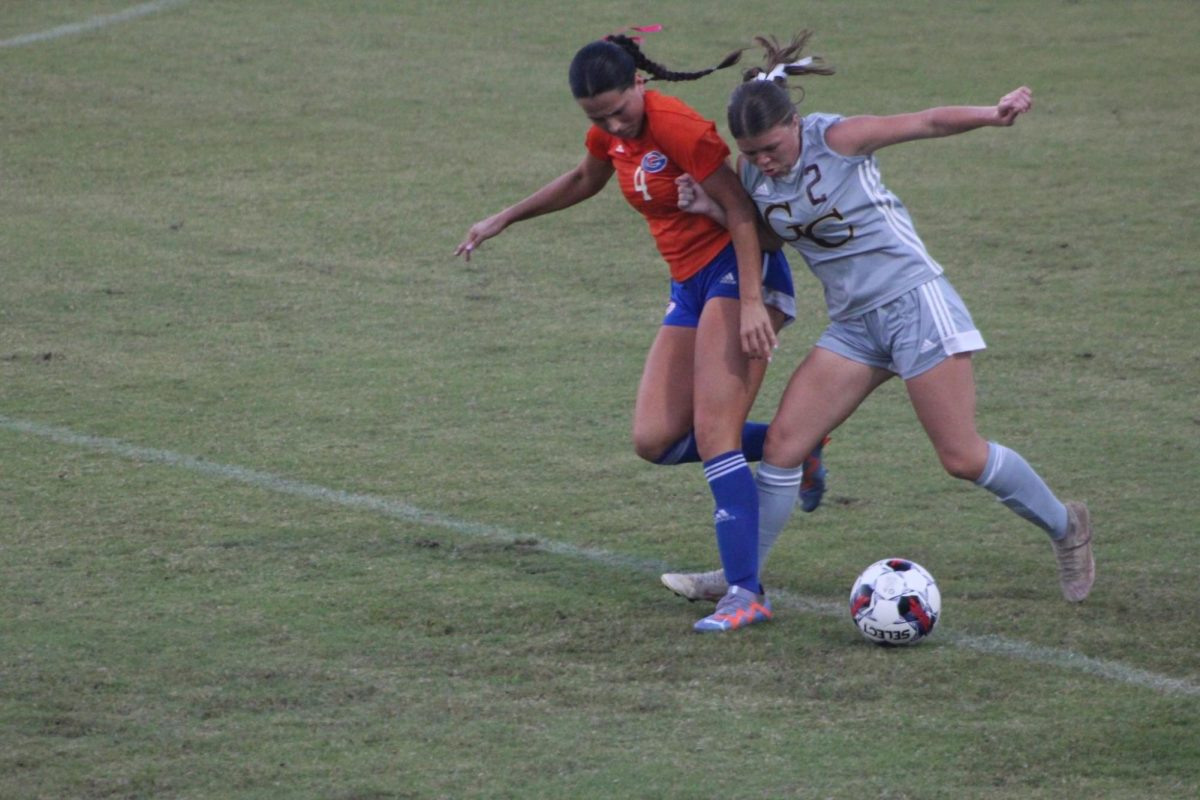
(812,486)
(737,609)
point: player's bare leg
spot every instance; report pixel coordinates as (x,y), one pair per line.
(944,399)
(830,387)
(663,411)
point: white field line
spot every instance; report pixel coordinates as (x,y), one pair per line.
(992,645)
(95,23)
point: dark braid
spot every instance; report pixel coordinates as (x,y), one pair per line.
(657,71)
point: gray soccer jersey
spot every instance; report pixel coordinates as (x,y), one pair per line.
(855,235)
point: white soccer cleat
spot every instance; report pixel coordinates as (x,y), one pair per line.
(1076,563)
(693,586)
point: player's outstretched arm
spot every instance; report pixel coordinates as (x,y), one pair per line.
(564,191)
(860,136)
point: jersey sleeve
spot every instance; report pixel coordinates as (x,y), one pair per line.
(693,144)
(597,143)
(821,123)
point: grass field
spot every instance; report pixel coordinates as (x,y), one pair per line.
(295,505)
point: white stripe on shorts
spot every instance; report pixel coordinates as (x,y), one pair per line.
(953,340)
(932,293)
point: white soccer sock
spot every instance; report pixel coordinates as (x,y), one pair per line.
(777,490)
(1014,482)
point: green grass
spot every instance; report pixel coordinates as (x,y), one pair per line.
(225,233)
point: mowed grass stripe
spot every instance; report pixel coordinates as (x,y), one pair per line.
(92,24)
(992,645)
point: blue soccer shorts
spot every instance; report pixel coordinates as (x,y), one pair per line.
(720,279)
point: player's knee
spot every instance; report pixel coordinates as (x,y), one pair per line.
(963,464)
(650,445)
(781,447)
(773,445)
(648,450)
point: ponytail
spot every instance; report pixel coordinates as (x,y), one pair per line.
(763,100)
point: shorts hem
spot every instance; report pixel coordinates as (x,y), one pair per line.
(963,342)
(783,302)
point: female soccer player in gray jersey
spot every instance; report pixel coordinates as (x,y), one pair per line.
(816,183)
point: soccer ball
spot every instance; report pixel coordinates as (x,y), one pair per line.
(895,602)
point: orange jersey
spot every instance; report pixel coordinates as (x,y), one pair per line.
(674,140)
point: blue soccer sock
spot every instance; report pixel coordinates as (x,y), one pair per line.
(777,491)
(735,518)
(1014,482)
(685,450)
(754,435)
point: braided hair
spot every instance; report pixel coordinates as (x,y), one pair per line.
(613,62)
(763,100)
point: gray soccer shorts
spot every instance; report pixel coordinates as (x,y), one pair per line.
(909,335)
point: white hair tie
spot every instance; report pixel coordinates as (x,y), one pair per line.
(780,70)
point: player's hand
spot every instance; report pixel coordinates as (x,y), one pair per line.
(758,335)
(691,196)
(479,233)
(1012,105)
